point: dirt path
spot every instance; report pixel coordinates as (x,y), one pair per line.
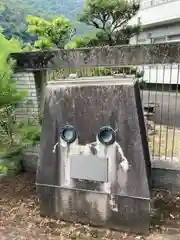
(20,220)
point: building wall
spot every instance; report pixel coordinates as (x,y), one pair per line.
(162,11)
(152,3)
(160,21)
(156,28)
(29,107)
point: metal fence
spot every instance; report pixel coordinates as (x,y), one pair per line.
(160,96)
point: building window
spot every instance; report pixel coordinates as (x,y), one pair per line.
(159,39)
(157,2)
(141,41)
(162,39)
(173,38)
(146,3)
(150,3)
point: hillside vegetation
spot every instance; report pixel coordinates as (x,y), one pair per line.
(12,17)
(13,14)
(69,8)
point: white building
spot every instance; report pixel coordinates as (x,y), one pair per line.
(160,21)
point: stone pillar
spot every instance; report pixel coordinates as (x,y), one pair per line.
(34,83)
(29,106)
(40,78)
(94,163)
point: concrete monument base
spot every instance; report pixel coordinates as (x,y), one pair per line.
(87,207)
(94,162)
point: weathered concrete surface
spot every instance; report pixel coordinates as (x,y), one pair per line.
(165,173)
(30,159)
(165,53)
(123,202)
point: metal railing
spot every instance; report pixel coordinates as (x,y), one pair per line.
(160,92)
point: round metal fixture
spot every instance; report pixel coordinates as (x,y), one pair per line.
(106,135)
(68,134)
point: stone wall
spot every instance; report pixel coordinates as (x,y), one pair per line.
(28,107)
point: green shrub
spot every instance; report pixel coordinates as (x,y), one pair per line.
(10,97)
(29,133)
(11,164)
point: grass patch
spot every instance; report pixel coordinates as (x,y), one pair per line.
(165,141)
(10,159)
(7,149)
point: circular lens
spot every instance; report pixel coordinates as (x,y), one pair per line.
(68,134)
(106,135)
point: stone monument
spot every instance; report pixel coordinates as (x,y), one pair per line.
(94,160)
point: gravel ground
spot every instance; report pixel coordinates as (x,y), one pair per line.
(20,219)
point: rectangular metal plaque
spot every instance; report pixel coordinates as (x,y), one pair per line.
(90,168)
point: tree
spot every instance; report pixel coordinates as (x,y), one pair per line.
(8,90)
(9,95)
(83,41)
(97,38)
(110,18)
(51,34)
(12,18)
